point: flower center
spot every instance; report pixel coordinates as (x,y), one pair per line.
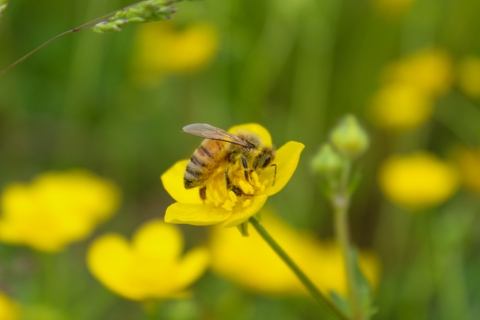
(241,191)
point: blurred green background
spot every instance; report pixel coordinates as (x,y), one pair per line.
(295,67)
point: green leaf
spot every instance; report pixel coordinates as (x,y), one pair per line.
(340,302)
(354,181)
(364,289)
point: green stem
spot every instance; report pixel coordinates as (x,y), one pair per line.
(317,295)
(341,226)
(341,202)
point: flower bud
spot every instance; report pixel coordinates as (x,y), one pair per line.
(349,138)
(106,27)
(326,162)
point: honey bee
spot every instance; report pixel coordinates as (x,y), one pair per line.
(221,147)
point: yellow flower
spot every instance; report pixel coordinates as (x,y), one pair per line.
(427,70)
(418,180)
(163,48)
(150,267)
(55,209)
(411,85)
(252,264)
(222,205)
(392,7)
(9,310)
(469,76)
(468,162)
(400,106)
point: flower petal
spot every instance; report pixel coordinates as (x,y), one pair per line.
(286,159)
(254,128)
(195,214)
(109,259)
(192,266)
(242,214)
(159,240)
(172,181)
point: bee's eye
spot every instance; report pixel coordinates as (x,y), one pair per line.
(266,162)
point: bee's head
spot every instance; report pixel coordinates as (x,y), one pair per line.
(264,158)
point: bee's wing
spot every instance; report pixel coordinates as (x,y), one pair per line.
(207,131)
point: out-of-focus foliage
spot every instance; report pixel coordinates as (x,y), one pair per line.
(114,104)
(468,161)
(469,76)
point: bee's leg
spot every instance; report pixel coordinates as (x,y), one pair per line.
(275,174)
(238,192)
(227,180)
(245,168)
(203,193)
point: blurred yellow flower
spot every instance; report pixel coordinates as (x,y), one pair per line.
(55,209)
(222,205)
(163,48)
(251,263)
(410,87)
(9,310)
(429,70)
(150,267)
(392,7)
(468,74)
(400,106)
(418,180)
(468,162)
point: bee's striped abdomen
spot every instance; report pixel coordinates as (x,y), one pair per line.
(203,162)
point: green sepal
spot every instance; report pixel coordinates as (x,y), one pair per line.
(243,228)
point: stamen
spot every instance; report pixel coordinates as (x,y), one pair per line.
(216,197)
(219,196)
(261,189)
(255,180)
(232,196)
(228,205)
(246,188)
